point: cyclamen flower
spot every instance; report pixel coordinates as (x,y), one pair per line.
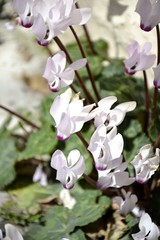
(60,16)
(114,175)
(144,166)
(156,81)
(139,59)
(148,229)
(69,116)
(127,203)
(40,176)
(11,233)
(111,117)
(149,13)
(70,169)
(105,147)
(56,74)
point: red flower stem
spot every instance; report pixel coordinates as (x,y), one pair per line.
(158,44)
(86,92)
(146,97)
(20,117)
(87,36)
(87,65)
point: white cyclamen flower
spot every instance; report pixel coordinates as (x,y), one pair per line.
(126,203)
(56,74)
(111,117)
(139,59)
(148,229)
(149,13)
(69,116)
(11,233)
(105,147)
(70,169)
(60,16)
(114,175)
(145,166)
(156,80)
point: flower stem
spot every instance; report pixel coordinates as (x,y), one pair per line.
(86,92)
(155,95)
(87,36)
(20,117)
(146,101)
(87,65)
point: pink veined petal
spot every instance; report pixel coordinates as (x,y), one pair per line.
(59,60)
(60,105)
(78,64)
(80,16)
(12,232)
(58,160)
(106,103)
(145,62)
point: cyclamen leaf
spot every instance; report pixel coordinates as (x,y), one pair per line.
(8,158)
(39,143)
(60,221)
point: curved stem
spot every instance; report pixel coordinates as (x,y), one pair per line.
(20,117)
(86,92)
(87,36)
(87,65)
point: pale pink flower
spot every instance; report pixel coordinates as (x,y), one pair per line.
(156,80)
(69,115)
(149,13)
(70,169)
(111,117)
(56,74)
(144,165)
(148,229)
(139,58)
(126,203)
(114,175)
(105,147)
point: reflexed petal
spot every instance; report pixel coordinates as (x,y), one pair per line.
(60,105)
(38,173)
(116,146)
(58,160)
(65,127)
(80,16)
(73,157)
(126,106)
(78,64)
(106,103)
(39,27)
(59,60)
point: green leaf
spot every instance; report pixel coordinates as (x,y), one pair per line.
(8,156)
(39,143)
(60,222)
(78,235)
